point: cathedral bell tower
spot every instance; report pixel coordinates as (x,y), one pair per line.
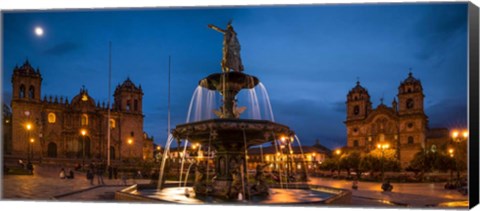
(358,103)
(128,97)
(26,109)
(412,119)
(410,96)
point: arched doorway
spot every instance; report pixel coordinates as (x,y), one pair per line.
(83,149)
(112,153)
(52,150)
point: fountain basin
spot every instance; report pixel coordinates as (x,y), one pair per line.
(294,196)
(229,80)
(232,131)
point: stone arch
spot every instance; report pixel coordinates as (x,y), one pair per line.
(21,93)
(31,92)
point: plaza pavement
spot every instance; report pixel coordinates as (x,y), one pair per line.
(45,185)
(403,194)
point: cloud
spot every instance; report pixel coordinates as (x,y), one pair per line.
(438,27)
(340,107)
(62,48)
(449,113)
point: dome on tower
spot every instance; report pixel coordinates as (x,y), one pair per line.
(410,85)
(128,86)
(411,79)
(358,92)
(26,69)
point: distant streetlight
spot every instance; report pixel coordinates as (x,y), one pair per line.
(28,127)
(458,137)
(338,152)
(31,148)
(451,153)
(383,147)
(130,142)
(83,132)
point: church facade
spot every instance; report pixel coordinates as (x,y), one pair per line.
(54,127)
(403,126)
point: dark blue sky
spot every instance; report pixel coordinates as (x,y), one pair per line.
(308,57)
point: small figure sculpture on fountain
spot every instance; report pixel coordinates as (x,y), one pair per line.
(260,186)
(200,179)
(231,49)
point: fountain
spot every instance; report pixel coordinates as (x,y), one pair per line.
(230,137)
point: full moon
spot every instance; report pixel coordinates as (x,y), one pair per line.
(38,31)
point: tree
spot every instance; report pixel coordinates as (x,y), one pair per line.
(351,161)
(329,164)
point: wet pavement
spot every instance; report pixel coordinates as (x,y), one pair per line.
(403,194)
(45,185)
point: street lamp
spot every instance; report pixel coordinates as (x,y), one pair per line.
(458,137)
(383,147)
(31,148)
(83,132)
(451,152)
(28,126)
(338,152)
(130,142)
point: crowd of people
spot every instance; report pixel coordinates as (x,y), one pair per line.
(97,171)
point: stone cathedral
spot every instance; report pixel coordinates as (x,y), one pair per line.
(54,127)
(404,125)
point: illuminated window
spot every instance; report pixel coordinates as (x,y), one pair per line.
(52,118)
(84,119)
(84,97)
(112,123)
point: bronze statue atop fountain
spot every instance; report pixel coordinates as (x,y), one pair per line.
(231,49)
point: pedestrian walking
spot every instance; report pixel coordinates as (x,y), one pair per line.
(115,172)
(124,178)
(110,172)
(90,176)
(100,170)
(30,167)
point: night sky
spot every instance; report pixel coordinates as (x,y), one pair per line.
(308,57)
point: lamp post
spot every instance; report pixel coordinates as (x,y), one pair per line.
(458,137)
(451,152)
(31,149)
(383,147)
(338,152)
(130,142)
(28,126)
(83,132)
